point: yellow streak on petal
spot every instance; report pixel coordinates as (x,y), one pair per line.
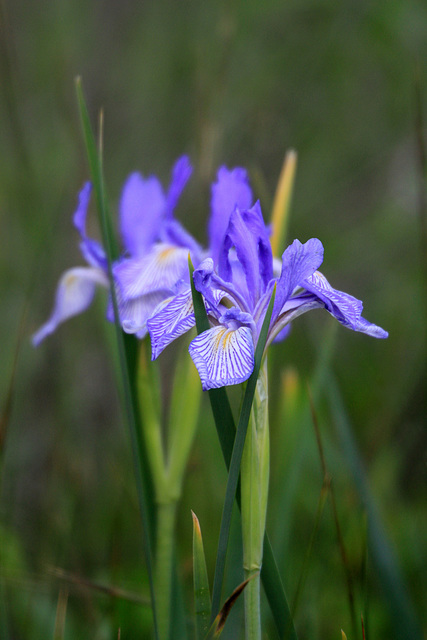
(165,254)
(70,280)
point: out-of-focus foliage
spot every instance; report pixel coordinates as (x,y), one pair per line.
(237,84)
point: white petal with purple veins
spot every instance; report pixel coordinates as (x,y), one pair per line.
(74,294)
(135,313)
(173,320)
(344,307)
(161,268)
(223,356)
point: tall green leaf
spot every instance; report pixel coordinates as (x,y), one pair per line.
(236,457)
(405,623)
(226,429)
(125,351)
(202,597)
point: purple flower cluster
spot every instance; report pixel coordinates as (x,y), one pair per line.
(235,275)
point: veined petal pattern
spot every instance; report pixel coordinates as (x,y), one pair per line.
(223,356)
(174,319)
(161,268)
(74,294)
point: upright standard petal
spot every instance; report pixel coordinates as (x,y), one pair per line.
(174,233)
(299,262)
(223,356)
(160,269)
(248,236)
(74,294)
(90,249)
(79,216)
(230,190)
(181,173)
(142,209)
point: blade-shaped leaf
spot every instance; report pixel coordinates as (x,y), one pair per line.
(236,457)
(126,358)
(202,597)
(226,429)
(406,624)
(282,202)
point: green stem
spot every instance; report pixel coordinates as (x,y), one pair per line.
(254,492)
(163,570)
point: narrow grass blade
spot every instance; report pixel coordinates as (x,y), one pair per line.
(226,430)
(405,623)
(89,585)
(126,359)
(306,564)
(236,457)
(282,202)
(218,624)
(340,538)
(202,596)
(183,418)
(221,409)
(61,612)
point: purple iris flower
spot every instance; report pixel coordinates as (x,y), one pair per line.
(155,264)
(175,316)
(237,292)
(156,254)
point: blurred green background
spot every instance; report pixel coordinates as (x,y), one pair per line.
(235,83)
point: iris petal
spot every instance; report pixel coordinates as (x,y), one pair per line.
(74,294)
(90,249)
(223,356)
(181,173)
(174,319)
(142,208)
(135,313)
(299,261)
(161,269)
(231,189)
(247,238)
(370,329)
(344,307)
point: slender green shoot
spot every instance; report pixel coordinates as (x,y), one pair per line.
(236,457)
(96,171)
(202,597)
(226,429)
(406,626)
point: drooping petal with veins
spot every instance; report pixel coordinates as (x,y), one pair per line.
(174,318)
(74,294)
(344,307)
(134,313)
(223,356)
(160,269)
